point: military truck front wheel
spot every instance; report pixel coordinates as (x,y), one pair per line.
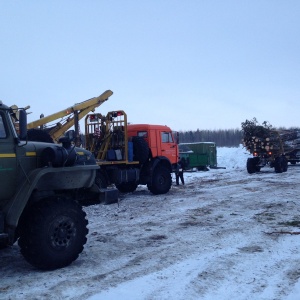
(53,233)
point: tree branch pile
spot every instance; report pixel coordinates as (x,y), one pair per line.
(263,137)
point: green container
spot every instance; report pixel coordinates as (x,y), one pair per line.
(199,155)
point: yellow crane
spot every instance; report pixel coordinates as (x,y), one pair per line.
(69,117)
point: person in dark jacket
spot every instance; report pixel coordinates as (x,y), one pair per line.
(179,170)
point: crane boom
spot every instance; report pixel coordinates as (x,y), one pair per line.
(75,113)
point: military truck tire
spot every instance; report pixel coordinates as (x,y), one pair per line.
(38,135)
(127,187)
(161,181)
(140,149)
(53,233)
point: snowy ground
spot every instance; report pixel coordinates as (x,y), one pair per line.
(224,235)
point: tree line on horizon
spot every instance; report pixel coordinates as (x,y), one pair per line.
(222,137)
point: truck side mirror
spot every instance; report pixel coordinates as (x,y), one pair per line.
(176,136)
(22,124)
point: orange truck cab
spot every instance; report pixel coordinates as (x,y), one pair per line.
(163,155)
(160,139)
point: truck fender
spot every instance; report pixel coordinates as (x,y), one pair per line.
(161,160)
(46,179)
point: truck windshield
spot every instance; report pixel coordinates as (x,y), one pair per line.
(14,125)
(3,134)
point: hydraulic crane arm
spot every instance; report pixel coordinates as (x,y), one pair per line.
(73,113)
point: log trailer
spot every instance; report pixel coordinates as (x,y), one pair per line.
(127,155)
(270,147)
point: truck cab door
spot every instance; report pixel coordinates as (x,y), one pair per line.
(8,160)
(168,146)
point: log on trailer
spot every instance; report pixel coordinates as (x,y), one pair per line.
(270,146)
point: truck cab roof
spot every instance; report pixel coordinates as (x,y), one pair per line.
(147,126)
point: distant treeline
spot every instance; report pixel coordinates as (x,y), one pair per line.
(222,137)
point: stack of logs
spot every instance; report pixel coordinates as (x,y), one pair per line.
(263,138)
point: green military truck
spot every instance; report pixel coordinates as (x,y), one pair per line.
(200,155)
(42,189)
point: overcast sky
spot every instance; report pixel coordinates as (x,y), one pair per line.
(194,64)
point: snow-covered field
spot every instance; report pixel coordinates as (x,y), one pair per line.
(224,235)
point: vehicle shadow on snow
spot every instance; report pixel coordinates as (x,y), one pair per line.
(12,260)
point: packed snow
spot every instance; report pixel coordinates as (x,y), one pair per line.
(225,234)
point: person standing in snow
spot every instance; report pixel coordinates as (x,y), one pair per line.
(179,170)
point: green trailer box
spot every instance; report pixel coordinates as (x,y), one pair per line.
(199,155)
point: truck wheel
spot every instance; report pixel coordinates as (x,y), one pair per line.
(140,149)
(278,165)
(252,165)
(161,181)
(284,164)
(39,135)
(53,233)
(127,187)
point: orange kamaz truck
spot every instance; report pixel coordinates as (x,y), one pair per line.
(129,155)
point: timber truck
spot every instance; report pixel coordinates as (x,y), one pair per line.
(131,154)
(43,187)
(270,147)
(127,155)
